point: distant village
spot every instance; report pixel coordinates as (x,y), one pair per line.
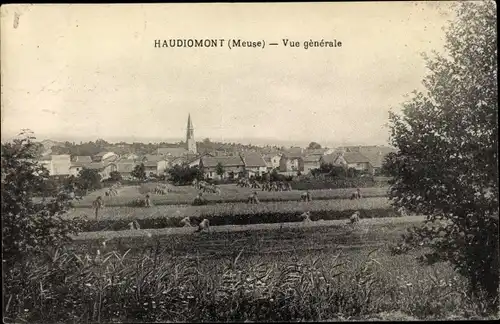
(235,162)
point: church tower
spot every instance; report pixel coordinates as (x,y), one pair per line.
(190,142)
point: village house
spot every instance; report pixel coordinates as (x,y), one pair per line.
(375,154)
(105,157)
(57,165)
(151,168)
(311,162)
(156,164)
(354,160)
(76,167)
(104,168)
(254,164)
(329,159)
(232,166)
(193,160)
(125,168)
(291,162)
(272,161)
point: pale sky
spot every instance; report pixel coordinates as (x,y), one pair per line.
(76,72)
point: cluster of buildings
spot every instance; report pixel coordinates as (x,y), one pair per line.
(216,165)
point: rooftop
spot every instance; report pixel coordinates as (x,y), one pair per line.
(82,158)
(212,161)
(355,157)
(253,160)
(171,151)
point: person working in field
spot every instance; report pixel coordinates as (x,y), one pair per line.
(253,198)
(356,194)
(306,196)
(354,219)
(147,201)
(199,200)
(97,205)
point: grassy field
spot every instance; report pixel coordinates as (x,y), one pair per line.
(117,218)
(357,284)
(184,195)
(324,273)
(232,209)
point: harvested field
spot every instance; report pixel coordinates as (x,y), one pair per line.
(254,239)
(184,195)
(117,218)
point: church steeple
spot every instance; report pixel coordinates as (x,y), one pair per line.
(190,142)
(190,124)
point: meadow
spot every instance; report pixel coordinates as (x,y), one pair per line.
(230,193)
(297,274)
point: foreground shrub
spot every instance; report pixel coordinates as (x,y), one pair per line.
(30,225)
(447,164)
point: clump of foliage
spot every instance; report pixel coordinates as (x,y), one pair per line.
(89,180)
(115,176)
(219,169)
(447,164)
(139,172)
(184,174)
(30,226)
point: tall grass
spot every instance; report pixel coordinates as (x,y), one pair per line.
(110,287)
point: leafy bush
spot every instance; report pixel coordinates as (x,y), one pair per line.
(139,172)
(115,176)
(184,174)
(89,179)
(29,226)
(447,164)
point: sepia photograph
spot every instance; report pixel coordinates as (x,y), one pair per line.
(249,162)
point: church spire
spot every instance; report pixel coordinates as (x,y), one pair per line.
(190,142)
(190,124)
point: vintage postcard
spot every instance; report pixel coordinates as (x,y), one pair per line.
(249,162)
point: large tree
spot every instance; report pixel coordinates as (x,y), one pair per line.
(446,167)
